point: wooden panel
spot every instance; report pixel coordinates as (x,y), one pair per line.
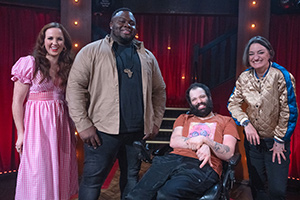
(81,12)
(259,14)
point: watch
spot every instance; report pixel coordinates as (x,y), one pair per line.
(246,122)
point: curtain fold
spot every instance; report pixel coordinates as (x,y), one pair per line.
(179,33)
(285,39)
(19,29)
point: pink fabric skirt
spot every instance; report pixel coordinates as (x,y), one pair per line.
(48,167)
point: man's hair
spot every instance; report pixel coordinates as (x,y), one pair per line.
(120,9)
(194,86)
(260,40)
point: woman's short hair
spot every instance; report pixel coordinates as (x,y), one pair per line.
(260,40)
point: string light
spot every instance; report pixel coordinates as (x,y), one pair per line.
(253,2)
(253,25)
(8,172)
(76,1)
(76,45)
(169,48)
(137,36)
(75,23)
(183,77)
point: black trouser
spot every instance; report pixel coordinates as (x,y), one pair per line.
(174,177)
(268,180)
(98,162)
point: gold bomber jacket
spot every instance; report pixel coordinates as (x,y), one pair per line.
(272,107)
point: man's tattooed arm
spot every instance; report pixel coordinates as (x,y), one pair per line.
(221,148)
(223,151)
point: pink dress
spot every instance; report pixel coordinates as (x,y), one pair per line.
(48,166)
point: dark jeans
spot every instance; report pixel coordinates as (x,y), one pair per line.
(98,163)
(268,180)
(174,177)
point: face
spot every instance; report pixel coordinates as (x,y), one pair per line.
(201,104)
(54,41)
(123,27)
(259,57)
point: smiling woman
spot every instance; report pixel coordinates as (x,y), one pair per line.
(46,135)
(268,89)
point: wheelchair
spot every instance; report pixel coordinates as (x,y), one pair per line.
(220,191)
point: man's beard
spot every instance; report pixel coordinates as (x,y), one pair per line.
(204,111)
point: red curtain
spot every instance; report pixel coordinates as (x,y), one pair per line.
(180,33)
(19,29)
(285,38)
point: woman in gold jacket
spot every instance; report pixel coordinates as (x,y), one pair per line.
(268,90)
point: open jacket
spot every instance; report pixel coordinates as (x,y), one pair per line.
(93,88)
(272,107)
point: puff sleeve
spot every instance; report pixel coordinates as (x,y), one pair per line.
(23,70)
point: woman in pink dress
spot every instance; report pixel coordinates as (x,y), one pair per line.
(46,137)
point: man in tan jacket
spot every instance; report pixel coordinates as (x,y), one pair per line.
(116,95)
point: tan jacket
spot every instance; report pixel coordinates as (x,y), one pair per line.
(272,107)
(93,91)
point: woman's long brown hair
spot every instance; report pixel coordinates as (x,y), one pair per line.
(65,59)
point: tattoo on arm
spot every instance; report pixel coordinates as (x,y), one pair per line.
(220,148)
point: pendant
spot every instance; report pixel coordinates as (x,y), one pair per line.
(128,72)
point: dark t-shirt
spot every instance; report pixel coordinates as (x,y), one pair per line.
(130,89)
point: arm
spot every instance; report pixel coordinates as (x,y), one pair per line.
(77,97)
(158,99)
(287,113)
(177,140)
(158,94)
(225,150)
(235,103)
(19,95)
(235,108)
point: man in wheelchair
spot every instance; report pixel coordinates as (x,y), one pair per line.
(200,141)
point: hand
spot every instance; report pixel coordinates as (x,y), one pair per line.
(278,150)
(204,155)
(251,134)
(195,143)
(19,143)
(90,137)
(152,135)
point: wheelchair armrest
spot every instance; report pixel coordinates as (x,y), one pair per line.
(228,174)
(162,150)
(234,160)
(144,153)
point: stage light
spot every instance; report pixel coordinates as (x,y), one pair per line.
(76,1)
(253,25)
(169,48)
(75,23)
(254,2)
(76,45)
